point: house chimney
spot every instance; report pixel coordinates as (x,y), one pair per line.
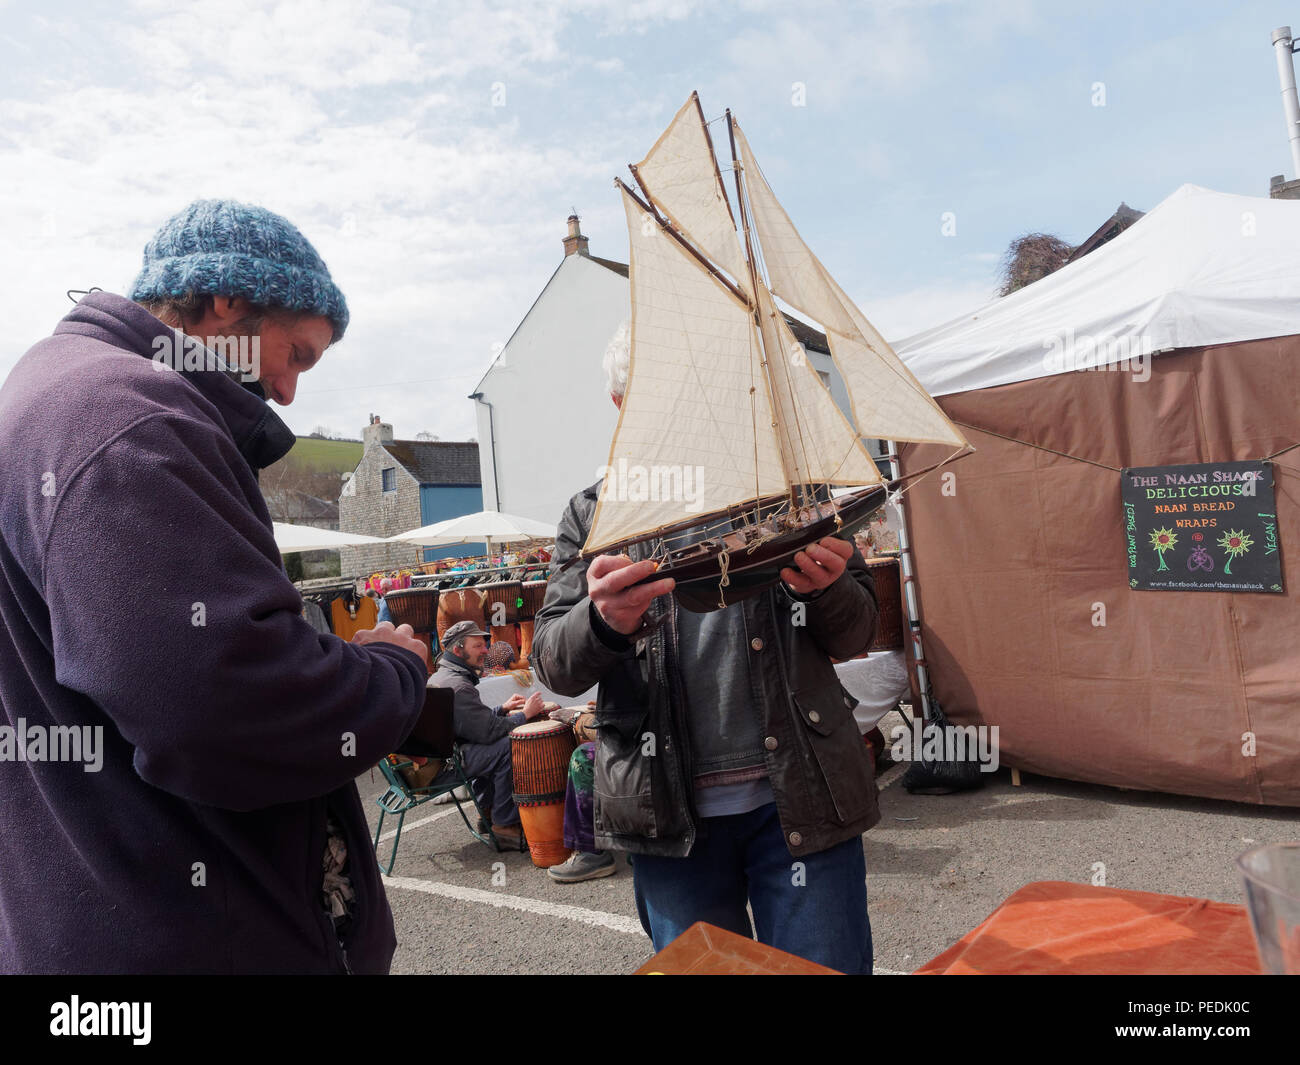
(575,241)
(377,432)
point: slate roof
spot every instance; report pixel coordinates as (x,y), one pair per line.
(809,337)
(437,461)
(295,506)
(1123,217)
(610,264)
(311,508)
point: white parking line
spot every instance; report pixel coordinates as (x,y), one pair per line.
(409,826)
(596,918)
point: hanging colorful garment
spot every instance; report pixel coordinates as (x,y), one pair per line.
(349,620)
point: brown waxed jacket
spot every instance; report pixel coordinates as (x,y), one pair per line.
(819,768)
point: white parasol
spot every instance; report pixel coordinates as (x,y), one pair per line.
(291,538)
(485,526)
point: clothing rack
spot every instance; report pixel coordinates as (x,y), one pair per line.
(329,587)
(533,571)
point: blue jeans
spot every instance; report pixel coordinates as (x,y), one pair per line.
(490,770)
(814,906)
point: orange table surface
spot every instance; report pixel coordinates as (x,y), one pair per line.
(1057,928)
(705,950)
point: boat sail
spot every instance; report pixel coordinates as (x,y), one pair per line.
(722,398)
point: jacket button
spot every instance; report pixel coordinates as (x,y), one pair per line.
(813,716)
(756,644)
(795,839)
(770,743)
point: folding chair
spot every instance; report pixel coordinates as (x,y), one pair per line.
(434,728)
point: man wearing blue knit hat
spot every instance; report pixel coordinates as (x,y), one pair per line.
(223,269)
(177,745)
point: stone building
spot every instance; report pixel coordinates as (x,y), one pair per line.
(403,484)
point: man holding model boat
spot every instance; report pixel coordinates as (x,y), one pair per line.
(728,761)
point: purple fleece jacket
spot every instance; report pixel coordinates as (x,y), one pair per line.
(141,593)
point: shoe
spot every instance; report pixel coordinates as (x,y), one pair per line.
(881,756)
(583,866)
(461,793)
(509,835)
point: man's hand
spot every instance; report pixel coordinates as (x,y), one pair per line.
(402,636)
(533,707)
(513,703)
(820,565)
(622,607)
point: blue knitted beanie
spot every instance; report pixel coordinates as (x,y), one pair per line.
(225,248)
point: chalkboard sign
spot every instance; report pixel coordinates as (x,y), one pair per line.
(1210,527)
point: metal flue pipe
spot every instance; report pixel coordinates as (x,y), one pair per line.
(909,593)
(1282,48)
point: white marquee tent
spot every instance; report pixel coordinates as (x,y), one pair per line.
(1201,268)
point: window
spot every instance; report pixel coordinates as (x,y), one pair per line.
(390,479)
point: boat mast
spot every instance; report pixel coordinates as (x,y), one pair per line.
(754,281)
(708,139)
(717,174)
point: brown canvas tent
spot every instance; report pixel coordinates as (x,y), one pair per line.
(1020,555)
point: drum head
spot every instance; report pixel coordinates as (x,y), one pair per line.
(533,729)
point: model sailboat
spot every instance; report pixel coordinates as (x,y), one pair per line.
(718,386)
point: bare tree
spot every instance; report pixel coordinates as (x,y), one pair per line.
(1029,258)
(289,487)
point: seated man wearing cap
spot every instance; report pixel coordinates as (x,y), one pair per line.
(484,732)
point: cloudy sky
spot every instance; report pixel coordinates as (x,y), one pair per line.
(432,151)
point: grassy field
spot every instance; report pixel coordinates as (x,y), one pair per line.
(335,456)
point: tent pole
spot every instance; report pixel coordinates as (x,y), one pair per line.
(909,591)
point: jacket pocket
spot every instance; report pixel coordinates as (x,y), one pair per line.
(623,801)
(623,797)
(841,756)
(334,955)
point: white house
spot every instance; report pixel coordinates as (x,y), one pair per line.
(545,419)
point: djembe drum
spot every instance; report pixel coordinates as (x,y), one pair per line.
(501,610)
(459,604)
(533,594)
(501,601)
(889,601)
(417,607)
(539,755)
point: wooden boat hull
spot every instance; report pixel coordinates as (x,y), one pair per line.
(697,569)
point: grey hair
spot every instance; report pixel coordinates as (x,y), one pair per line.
(618,356)
(184,312)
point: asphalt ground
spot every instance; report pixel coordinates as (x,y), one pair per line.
(936,867)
